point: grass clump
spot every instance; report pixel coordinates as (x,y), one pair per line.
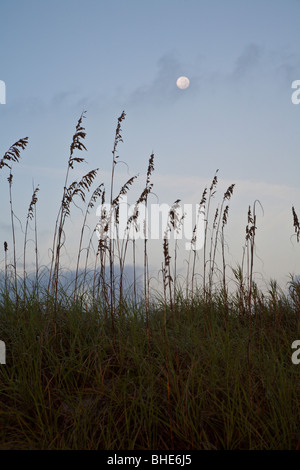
(190,388)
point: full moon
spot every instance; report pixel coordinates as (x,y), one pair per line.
(182,82)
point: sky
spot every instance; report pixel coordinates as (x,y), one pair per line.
(61,58)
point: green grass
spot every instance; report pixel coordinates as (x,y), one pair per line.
(195,388)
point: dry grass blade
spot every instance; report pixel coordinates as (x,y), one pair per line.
(33,202)
(296,224)
(77,143)
(118,136)
(13,153)
(30,215)
(124,190)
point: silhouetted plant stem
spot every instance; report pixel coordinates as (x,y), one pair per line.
(10,178)
(30,216)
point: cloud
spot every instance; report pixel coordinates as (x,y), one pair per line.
(247,61)
(163,87)
(274,64)
(288,68)
(246,190)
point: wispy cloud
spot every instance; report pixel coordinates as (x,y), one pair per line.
(163,87)
(247,61)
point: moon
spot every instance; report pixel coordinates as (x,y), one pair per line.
(182,83)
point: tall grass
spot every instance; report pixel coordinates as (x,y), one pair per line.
(97,365)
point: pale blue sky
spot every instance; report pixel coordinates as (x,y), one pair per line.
(59,58)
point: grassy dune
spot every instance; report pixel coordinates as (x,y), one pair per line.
(196,366)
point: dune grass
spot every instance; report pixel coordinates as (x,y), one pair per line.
(98,366)
(194,387)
